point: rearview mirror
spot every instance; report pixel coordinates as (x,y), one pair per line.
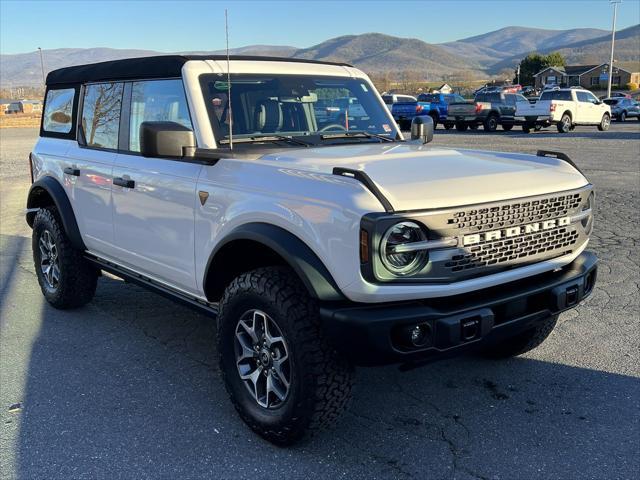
(165,139)
(422,128)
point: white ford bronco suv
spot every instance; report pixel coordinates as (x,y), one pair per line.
(318,241)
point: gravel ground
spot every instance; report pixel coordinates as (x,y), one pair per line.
(127,387)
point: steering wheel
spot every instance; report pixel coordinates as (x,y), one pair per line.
(333,125)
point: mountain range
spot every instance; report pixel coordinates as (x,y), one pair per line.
(481,55)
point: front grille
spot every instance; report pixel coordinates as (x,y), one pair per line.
(517,213)
(550,243)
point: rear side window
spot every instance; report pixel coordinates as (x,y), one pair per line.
(101,115)
(156,101)
(58,112)
(388,99)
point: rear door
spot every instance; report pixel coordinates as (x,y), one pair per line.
(587,111)
(153,208)
(90,164)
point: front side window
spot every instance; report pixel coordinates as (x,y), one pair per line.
(156,101)
(101,115)
(294,106)
(58,112)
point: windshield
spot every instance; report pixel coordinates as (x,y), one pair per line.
(295,106)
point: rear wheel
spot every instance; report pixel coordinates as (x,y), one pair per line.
(284,378)
(565,124)
(523,342)
(461,127)
(526,128)
(491,123)
(435,121)
(507,127)
(66,279)
(622,117)
(605,123)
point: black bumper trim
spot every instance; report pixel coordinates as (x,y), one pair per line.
(376,334)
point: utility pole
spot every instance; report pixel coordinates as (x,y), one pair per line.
(42,67)
(613,43)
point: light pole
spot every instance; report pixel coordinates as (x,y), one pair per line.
(42,67)
(613,43)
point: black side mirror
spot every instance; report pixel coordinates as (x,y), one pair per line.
(165,139)
(422,128)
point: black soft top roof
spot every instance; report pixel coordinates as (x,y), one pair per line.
(162,66)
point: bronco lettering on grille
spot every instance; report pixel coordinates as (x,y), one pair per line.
(514,231)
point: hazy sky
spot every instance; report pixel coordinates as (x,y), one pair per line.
(172,26)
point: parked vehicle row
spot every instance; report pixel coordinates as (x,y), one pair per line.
(435,105)
(487,109)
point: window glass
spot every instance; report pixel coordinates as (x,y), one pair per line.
(293,105)
(429,97)
(156,101)
(583,97)
(101,114)
(388,99)
(58,111)
(556,95)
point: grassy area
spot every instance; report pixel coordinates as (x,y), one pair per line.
(20,120)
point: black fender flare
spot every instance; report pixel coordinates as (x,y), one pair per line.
(62,204)
(304,262)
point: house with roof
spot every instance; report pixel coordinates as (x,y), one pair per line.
(589,76)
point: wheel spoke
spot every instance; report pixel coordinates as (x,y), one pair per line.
(277,366)
(275,388)
(245,347)
(251,331)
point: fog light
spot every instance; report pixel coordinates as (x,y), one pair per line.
(420,335)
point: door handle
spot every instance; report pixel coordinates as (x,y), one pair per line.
(124,182)
(72,171)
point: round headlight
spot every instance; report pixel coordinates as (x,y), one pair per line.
(402,263)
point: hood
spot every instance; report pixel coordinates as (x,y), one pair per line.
(418,177)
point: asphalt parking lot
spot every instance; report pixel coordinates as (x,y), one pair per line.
(128,386)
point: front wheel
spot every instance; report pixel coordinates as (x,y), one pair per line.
(66,279)
(523,342)
(284,378)
(605,123)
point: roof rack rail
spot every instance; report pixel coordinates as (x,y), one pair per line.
(363,178)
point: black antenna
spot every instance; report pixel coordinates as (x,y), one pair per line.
(226,28)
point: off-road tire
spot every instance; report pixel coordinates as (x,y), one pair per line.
(605,123)
(461,127)
(78,278)
(491,123)
(565,124)
(523,342)
(321,380)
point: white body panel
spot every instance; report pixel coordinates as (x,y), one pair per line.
(582,113)
(161,229)
(153,223)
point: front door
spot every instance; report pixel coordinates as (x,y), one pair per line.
(154,199)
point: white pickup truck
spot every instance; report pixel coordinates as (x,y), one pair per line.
(315,242)
(566,108)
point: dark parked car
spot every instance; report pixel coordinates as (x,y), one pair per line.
(487,109)
(623,108)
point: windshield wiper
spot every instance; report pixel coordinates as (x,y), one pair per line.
(328,136)
(268,138)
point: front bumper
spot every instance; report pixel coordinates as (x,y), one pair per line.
(380,334)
